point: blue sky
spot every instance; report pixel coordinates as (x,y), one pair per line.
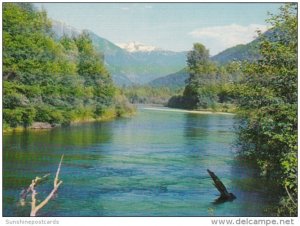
(171,26)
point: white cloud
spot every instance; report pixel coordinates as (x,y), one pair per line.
(219,38)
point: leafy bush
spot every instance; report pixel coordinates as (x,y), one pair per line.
(268,108)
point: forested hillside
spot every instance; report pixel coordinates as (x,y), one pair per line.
(49,80)
(249,52)
(174,80)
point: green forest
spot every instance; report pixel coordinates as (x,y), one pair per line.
(267,103)
(209,85)
(51,80)
(145,94)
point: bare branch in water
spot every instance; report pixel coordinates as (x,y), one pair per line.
(34,206)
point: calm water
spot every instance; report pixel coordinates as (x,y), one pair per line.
(153,164)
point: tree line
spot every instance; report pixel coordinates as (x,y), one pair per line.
(209,85)
(145,94)
(52,80)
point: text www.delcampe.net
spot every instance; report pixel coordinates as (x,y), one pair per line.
(252,221)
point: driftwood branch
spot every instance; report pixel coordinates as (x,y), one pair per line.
(35,208)
(224,194)
(24,193)
(32,188)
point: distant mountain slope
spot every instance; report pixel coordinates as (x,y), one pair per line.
(240,52)
(175,80)
(112,62)
(130,67)
(249,52)
(154,64)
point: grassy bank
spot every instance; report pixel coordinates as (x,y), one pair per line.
(108,115)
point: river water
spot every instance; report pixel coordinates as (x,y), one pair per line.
(153,164)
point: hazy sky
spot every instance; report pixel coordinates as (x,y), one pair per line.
(171,26)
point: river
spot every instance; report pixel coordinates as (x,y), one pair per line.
(153,164)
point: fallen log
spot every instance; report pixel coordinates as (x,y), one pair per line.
(224,194)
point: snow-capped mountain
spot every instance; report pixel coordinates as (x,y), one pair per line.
(137,47)
(138,63)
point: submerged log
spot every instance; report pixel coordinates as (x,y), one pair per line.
(224,194)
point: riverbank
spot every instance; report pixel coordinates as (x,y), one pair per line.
(186,111)
(108,115)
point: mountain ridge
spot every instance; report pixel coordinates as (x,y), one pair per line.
(249,51)
(126,67)
(174,80)
(241,52)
